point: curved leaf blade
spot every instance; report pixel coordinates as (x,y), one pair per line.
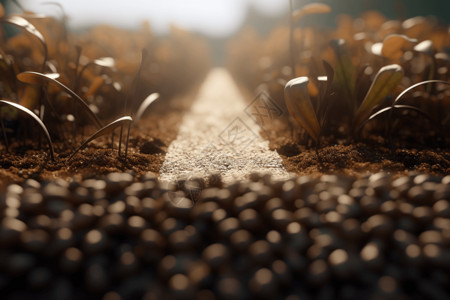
(27,26)
(36,119)
(144,105)
(39,78)
(300,107)
(417,85)
(395,44)
(105,130)
(387,78)
(344,71)
(310,9)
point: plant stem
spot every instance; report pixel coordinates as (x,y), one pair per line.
(4,132)
(291,37)
(126,144)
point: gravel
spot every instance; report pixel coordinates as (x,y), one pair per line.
(218,136)
(121,237)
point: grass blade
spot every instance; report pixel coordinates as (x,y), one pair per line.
(299,106)
(36,119)
(310,9)
(385,81)
(417,85)
(105,130)
(28,27)
(344,71)
(394,45)
(144,105)
(43,79)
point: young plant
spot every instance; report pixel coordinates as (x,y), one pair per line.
(144,105)
(294,17)
(300,108)
(302,111)
(23,24)
(29,113)
(127,120)
(45,79)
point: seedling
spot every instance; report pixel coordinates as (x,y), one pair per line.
(32,116)
(301,109)
(105,62)
(127,120)
(144,105)
(44,80)
(294,17)
(23,24)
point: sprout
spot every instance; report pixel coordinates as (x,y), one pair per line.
(344,71)
(425,47)
(144,105)
(395,44)
(299,106)
(295,16)
(34,117)
(108,129)
(310,9)
(28,27)
(387,78)
(44,79)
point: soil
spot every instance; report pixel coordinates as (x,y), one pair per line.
(147,148)
(149,143)
(356,159)
(373,154)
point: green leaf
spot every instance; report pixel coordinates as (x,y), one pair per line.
(299,106)
(43,79)
(36,119)
(344,71)
(387,78)
(105,130)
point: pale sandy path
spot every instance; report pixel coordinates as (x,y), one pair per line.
(217,136)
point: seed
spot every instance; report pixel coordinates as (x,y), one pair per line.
(263,283)
(250,219)
(181,286)
(230,288)
(95,241)
(216,255)
(260,252)
(71,260)
(371,255)
(241,239)
(11,229)
(136,224)
(228,226)
(275,240)
(281,218)
(387,284)
(35,240)
(318,272)
(442,208)
(249,200)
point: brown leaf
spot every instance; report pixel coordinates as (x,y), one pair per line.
(310,9)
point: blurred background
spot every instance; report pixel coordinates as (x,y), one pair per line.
(219,19)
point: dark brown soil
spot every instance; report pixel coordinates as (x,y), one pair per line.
(147,148)
(356,159)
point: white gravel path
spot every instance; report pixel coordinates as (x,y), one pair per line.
(217,136)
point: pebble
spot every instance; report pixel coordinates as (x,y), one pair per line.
(114,237)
